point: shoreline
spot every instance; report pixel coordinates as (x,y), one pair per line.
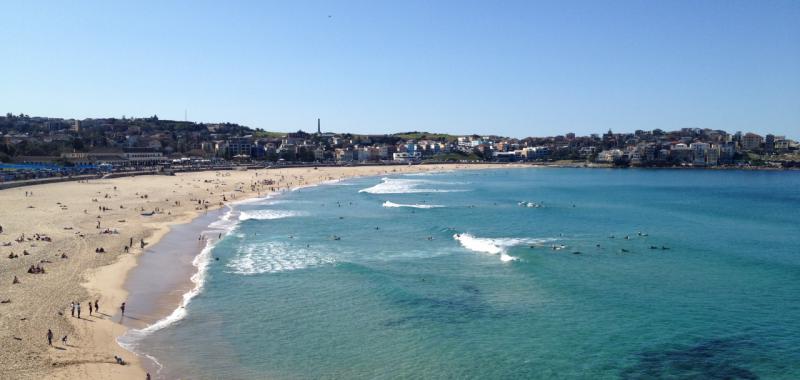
(165,297)
(109,281)
(77,216)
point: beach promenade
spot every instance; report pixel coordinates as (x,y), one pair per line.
(75,242)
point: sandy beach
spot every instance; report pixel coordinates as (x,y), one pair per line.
(87,237)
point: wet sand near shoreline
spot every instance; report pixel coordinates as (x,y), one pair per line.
(163,273)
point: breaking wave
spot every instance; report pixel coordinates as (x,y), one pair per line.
(405,186)
(495,246)
(392,205)
(267,214)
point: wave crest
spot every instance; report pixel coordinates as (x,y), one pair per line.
(495,246)
(393,205)
(405,186)
(267,214)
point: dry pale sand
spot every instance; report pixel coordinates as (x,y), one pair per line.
(67,213)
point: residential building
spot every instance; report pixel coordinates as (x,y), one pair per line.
(751,141)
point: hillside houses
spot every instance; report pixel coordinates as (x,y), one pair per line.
(151,141)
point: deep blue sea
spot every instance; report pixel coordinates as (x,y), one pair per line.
(503,274)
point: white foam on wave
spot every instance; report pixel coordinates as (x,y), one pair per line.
(406,186)
(227,222)
(267,214)
(273,257)
(495,246)
(221,227)
(389,204)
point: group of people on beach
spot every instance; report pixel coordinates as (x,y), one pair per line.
(75,311)
(36,237)
(76,308)
(38,269)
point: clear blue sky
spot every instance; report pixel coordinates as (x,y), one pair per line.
(515,68)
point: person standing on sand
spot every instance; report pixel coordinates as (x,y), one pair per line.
(72,306)
(78,309)
(49,337)
(90,308)
(96,306)
(122,307)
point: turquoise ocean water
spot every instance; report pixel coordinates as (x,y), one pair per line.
(447,275)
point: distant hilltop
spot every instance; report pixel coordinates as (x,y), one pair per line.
(150,141)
